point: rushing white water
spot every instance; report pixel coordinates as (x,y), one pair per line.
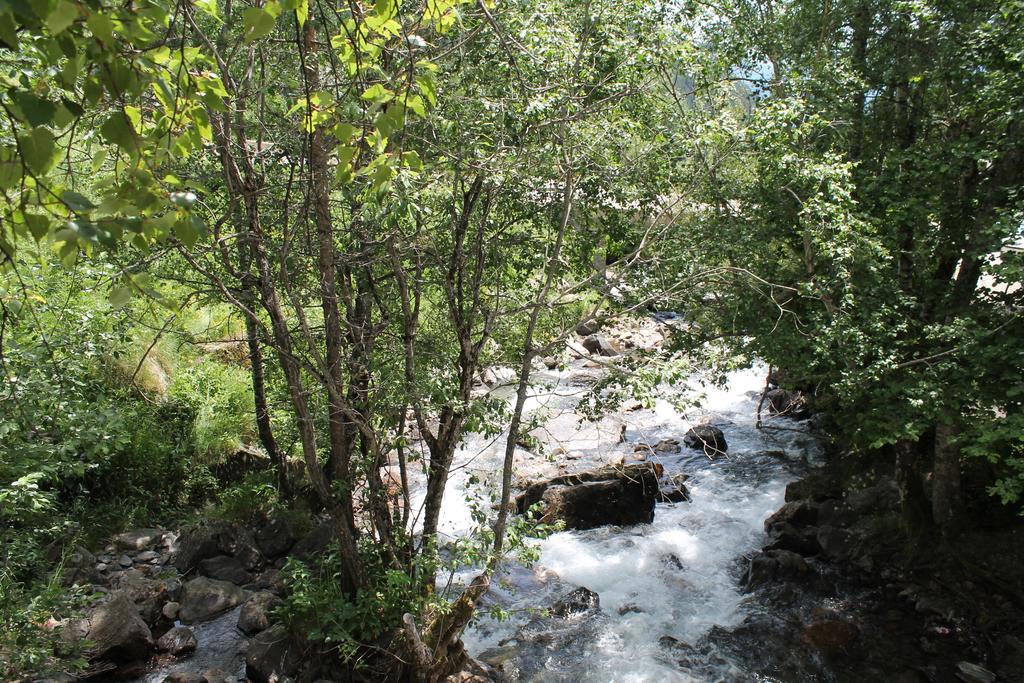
(677,577)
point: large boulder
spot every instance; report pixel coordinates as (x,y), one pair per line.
(202,598)
(597,345)
(272,656)
(210,538)
(706,438)
(117,633)
(276,537)
(619,495)
(314,542)
(148,594)
(225,568)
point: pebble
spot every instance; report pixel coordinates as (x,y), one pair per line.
(125,561)
(147,556)
(101,567)
(170,610)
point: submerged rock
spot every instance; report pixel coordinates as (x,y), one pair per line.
(614,495)
(580,601)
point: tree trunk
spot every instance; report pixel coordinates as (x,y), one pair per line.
(946,474)
(259,392)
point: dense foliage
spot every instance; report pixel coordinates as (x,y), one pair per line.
(307,227)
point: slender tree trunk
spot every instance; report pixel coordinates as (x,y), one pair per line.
(259,392)
(946,474)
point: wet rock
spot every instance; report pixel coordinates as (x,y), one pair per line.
(138,539)
(706,438)
(255,614)
(184,677)
(668,445)
(272,656)
(597,345)
(830,636)
(773,565)
(225,568)
(797,514)
(202,598)
(972,673)
(817,486)
(801,541)
(835,544)
(785,403)
(179,641)
(674,490)
(117,633)
(614,495)
(580,601)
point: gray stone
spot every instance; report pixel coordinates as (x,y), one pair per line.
(116,631)
(125,561)
(138,539)
(202,598)
(170,610)
(276,537)
(178,641)
(147,556)
(225,568)
(598,345)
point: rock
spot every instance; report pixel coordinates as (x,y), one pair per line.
(225,568)
(81,567)
(882,497)
(125,561)
(202,598)
(610,495)
(706,438)
(170,610)
(117,632)
(580,601)
(801,541)
(269,580)
(797,514)
(201,541)
(772,565)
(830,636)
(178,641)
(669,445)
(147,556)
(254,616)
(139,539)
(598,345)
(790,404)
(674,490)
(588,327)
(314,542)
(184,677)
(148,594)
(216,676)
(817,486)
(551,363)
(972,673)
(271,656)
(836,544)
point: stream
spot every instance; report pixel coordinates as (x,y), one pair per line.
(663,586)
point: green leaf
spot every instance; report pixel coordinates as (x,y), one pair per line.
(77,202)
(257,22)
(10,168)
(36,110)
(38,150)
(378,93)
(38,225)
(118,131)
(119,296)
(62,16)
(8,31)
